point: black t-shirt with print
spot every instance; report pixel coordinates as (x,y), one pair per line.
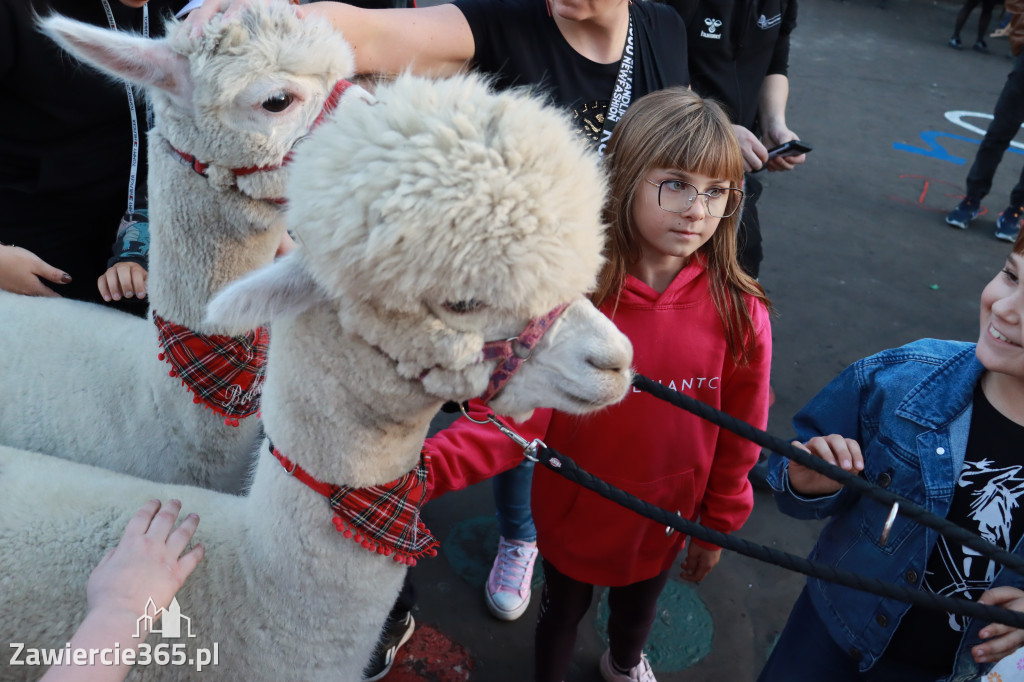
(987,500)
(519,43)
(733,45)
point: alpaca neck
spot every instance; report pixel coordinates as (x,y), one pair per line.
(201,238)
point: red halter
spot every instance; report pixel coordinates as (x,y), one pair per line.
(512,353)
(330,104)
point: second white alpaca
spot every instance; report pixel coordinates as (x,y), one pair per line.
(86,383)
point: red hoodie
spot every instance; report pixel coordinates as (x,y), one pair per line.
(645,446)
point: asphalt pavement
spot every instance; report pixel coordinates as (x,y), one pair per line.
(857,259)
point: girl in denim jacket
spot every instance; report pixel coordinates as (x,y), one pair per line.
(941,423)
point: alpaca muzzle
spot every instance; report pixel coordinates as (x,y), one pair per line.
(512,353)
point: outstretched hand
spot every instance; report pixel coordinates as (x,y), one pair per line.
(999,641)
(147,563)
(699,561)
(198,18)
(21,272)
(843,452)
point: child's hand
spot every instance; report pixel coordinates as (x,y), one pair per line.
(146,563)
(999,641)
(126,279)
(834,449)
(699,561)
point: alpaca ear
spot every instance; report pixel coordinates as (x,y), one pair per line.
(284,287)
(143,61)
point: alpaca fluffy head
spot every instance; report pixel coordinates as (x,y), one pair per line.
(239,95)
(447,211)
(442,216)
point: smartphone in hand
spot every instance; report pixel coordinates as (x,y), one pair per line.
(791,148)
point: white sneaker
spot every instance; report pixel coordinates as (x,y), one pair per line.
(508,585)
(641,672)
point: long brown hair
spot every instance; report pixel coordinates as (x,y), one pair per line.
(676,128)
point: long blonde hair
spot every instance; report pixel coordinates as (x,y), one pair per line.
(676,128)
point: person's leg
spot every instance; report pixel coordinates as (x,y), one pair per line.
(750,252)
(985,18)
(805,651)
(632,610)
(961,17)
(1007,117)
(512,503)
(397,630)
(508,585)
(563,603)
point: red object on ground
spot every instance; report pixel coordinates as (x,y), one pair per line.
(430,655)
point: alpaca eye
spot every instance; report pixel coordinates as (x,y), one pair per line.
(277,103)
(466,306)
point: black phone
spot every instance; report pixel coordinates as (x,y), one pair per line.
(791,148)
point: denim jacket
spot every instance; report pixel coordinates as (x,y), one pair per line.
(910,410)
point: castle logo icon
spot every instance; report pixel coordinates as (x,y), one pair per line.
(170,619)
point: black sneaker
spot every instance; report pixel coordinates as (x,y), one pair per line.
(395,634)
(980,46)
(955,43)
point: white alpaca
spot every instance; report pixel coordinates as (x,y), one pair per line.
(86,383)
(440,218)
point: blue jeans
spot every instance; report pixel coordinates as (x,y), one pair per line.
(1008,115)
(805,651)
(512,503)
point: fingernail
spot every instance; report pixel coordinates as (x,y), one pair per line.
(127,294)
(142,294)
(106,298)
(65,277)
(117,297)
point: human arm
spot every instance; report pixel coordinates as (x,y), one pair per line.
(728,497)
(433,41)
(772,101)
(126,275)
(466,453)
(999,640)
(146,564)
(21,272)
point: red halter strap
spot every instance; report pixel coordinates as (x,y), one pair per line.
(330,104)
(512,353)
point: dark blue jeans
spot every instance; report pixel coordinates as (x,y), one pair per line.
(1009,114)
(805,651)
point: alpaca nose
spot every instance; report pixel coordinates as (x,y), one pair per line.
(617,362)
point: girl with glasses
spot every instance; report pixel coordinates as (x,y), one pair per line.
(698,324)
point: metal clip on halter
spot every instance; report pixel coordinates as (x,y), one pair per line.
(884,538)
(530,449)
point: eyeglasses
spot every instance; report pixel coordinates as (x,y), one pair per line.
(676,196)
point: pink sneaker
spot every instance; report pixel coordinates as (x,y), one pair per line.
(508,585)
(641,672)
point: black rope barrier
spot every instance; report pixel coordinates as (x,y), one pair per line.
(907,508)
(562,465)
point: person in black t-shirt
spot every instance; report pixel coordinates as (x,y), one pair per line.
(739,55)
(65,152)
(940,423)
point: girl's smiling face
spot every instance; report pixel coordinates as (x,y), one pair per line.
(671,238)
(1001,343)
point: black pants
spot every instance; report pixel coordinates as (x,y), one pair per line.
(748,239)
(1009,114)
(565,601)
(983,19)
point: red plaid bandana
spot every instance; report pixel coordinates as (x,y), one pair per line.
(225,373)
(382,518)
